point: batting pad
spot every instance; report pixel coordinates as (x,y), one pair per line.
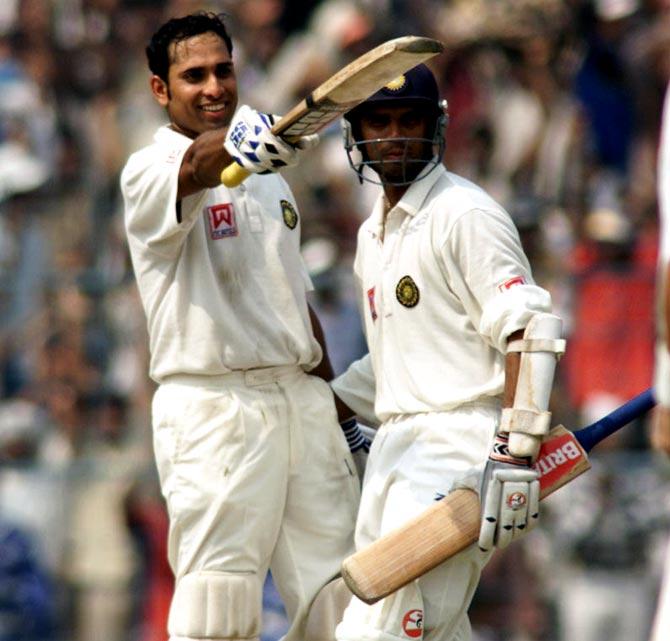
(214,605)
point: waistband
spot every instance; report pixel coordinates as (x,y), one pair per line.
(485,404)
(249,377)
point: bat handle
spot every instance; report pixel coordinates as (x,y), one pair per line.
(233,175)
(589,436)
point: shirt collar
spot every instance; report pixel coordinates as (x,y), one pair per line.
(413,199)
(166,134)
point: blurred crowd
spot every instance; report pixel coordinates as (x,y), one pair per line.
(554,108)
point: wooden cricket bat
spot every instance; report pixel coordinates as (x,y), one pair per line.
(452,524)
(347,88)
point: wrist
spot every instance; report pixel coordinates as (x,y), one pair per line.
(501,454)
(352,432)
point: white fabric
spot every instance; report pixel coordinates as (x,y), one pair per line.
(529,419)
(412,462)
(216,605)
(662,373)
(469,301)
(661,624)
(662,365)
(253,465)
(357,389)
(224,289)
(327,610)
(441,282)
(537,345)
(256,472)
(525,421)
(664,182)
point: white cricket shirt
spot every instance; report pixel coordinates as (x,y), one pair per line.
(440,295)
(221,277)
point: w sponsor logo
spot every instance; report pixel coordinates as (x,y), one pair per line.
(222,223)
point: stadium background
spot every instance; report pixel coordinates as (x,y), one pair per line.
(555,109)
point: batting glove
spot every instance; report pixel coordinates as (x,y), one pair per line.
(510,497)
(359,444)
(253,146)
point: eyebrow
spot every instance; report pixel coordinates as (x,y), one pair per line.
(228,65)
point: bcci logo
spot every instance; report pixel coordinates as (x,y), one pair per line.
(407,292)
(289,214)
(397,84)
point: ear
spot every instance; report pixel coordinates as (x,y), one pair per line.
(160,90)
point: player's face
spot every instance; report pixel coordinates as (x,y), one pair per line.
(398,134)
(201,92)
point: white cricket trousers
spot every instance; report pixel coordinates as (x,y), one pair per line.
(413,461)
(256,474)
(661,625)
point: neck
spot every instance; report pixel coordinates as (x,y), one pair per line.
(394,193)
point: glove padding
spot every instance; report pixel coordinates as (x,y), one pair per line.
(510,497)
(253,146)
(359,444)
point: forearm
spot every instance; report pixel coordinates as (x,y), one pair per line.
(324,369)
(202,163)
(530,367)
(356,389)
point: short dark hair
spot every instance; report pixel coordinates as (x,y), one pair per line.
(178,29)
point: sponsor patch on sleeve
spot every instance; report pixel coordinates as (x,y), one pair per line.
(222,223)
(511,282)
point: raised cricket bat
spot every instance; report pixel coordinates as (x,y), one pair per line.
(347,88)
(452,524)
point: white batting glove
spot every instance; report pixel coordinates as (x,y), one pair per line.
(510,496)
(253,146)
(359,444)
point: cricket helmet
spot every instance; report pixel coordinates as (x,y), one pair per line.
(417,88)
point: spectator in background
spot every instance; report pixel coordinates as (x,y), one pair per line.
(28,603)
(604,87)
(601,574)
(611,336)
(32,529)
(101,563)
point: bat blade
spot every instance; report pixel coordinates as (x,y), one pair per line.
(397,558)
(452,524)
(345,89)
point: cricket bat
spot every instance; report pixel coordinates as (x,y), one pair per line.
(345,89)
(452,524)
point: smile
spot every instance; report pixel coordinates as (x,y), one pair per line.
(213,108)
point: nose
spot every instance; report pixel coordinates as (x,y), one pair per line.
(395,129)
(213,86)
